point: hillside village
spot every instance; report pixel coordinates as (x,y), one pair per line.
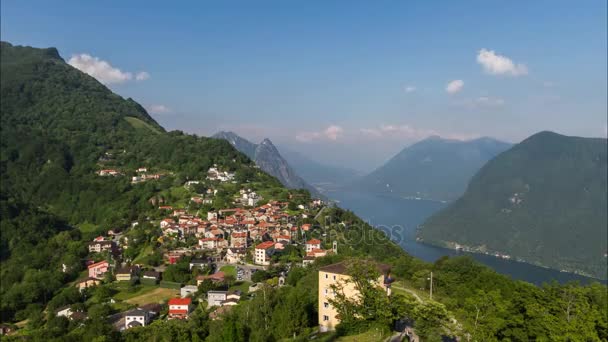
(222,255)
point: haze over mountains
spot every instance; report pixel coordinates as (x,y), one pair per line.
(543,201)
(434,168)
(268,158)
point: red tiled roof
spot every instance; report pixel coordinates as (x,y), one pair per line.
(179,301)
(239,235)
(97,264)
(265,245)
(313,242)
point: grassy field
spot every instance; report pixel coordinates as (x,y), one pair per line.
(229,270)
(242,286)
(87,227)
(138,124)
(157,295)
(148,250)
(368,336)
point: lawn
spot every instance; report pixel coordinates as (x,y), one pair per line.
(124,294)
(372,335)
(148,250)
(139,124)
(229,270)
(87,227)
(242,286)
(157,295)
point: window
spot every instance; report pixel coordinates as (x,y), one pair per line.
(325,318)
(326,275)
(326,305)
(325,291)
(334,277)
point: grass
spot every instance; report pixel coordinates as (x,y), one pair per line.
(372,335)
(148,250)
(229,270)
(87,227)
(139,124)
(157,295)
(124,294)
(242,286)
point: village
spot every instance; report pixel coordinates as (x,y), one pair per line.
(223,256)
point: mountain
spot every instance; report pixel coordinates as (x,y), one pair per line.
(268,158)
(58,128)
(315,172)
(543,201)
(434,168)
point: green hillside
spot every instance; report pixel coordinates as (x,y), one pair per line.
(60,127)
(543,201)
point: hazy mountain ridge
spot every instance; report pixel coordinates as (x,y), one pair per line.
(543,201)
(433,168)
(268,158)
(315,172)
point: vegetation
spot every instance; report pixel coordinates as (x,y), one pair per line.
(543,201)
(59,127)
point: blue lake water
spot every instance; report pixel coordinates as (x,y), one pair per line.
(387,212)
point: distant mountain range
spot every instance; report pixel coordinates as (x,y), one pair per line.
(433,168)
(268,158)
(543,201)
(315,172)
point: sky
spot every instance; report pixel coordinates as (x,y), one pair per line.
(347,83)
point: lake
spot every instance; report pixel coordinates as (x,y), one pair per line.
(386,211)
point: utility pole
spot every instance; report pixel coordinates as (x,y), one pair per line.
(431,290)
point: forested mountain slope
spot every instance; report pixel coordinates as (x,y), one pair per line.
(433,168)
(60,127)
(544,201)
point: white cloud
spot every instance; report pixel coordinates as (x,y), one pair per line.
(158,109)
(410,133)
(332,132)
(103,71)
(482,101)
(494,64)
(409,89)
(142,76)
(454,86)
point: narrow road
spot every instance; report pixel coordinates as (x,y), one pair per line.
(409,291)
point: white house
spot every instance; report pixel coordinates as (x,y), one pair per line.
(137,318)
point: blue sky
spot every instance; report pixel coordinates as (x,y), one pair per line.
(346,82)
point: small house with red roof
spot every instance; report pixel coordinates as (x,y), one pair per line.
(179,308)
(98,269)
(313,244)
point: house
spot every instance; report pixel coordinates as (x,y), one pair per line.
(109,172)
(200,263)
(211,216)
(313,244)
(86,283)
(215,298)
(98,246)
(98,269)
(238,239)
(235,255)
(254,287)
(263,252)
(64,311)
(317,253)
(209,243)
(126,273)
(306,227)
(142,169)
(137,318)
(179,308)
(151,275)
(187,290)
(6,329)
(216,277)
(336,274)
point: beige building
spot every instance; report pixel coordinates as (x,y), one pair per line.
(336,274)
